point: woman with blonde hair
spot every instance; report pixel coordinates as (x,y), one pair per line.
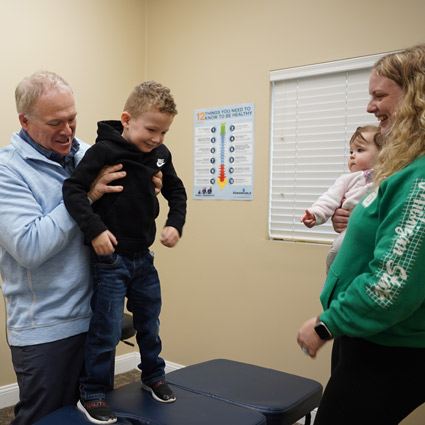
(374,295)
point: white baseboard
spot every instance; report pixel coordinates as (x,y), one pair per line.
(130,361)
(9,394)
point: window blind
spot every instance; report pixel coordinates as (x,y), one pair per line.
(315,111)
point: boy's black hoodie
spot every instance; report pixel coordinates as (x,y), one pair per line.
(130,215)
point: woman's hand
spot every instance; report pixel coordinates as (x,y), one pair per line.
(308,339)
(340,219)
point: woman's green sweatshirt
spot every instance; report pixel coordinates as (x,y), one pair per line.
(375,288)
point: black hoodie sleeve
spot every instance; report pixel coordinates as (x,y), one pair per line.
(174,192)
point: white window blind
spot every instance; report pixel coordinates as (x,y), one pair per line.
(315,111)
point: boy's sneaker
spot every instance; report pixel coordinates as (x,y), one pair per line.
(97,411)
(160,391)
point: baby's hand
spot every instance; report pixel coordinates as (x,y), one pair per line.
(308,219)
(169,236)
(103,244)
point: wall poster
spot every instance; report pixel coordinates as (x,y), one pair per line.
(224,152)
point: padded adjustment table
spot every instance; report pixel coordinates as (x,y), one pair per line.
(281,397)
(217,392)
(136,407)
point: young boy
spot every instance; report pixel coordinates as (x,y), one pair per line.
(120,228)
(349,189)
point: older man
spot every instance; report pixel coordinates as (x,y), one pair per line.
(43,261)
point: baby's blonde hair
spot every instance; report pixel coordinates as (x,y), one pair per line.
(149,96)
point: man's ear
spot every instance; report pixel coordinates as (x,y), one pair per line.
(24,121)
(125,119)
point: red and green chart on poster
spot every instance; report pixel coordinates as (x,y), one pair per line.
(224,152)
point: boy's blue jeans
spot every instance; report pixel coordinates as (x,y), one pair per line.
(117,277)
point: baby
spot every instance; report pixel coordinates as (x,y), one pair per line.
(349,189)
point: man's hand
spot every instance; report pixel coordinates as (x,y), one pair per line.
(157,181)
(100,185)
(340,219)
(104,243)
(169,236)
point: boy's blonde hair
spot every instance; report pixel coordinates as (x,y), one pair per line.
(149,96)
(377,138)
(406,139)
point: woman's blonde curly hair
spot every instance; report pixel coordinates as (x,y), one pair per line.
(406,139)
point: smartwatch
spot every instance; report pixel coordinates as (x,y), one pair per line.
(323,331)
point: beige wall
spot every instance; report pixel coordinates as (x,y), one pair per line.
(228,291)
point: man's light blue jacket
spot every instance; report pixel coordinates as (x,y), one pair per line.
(43,263)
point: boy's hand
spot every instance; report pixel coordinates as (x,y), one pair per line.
(169,236)
(103,244)
(157,181)
(308,219)
(100,184)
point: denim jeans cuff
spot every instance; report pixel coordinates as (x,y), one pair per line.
(94,396)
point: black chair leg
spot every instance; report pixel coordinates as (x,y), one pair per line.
(127,330)
(307,420)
